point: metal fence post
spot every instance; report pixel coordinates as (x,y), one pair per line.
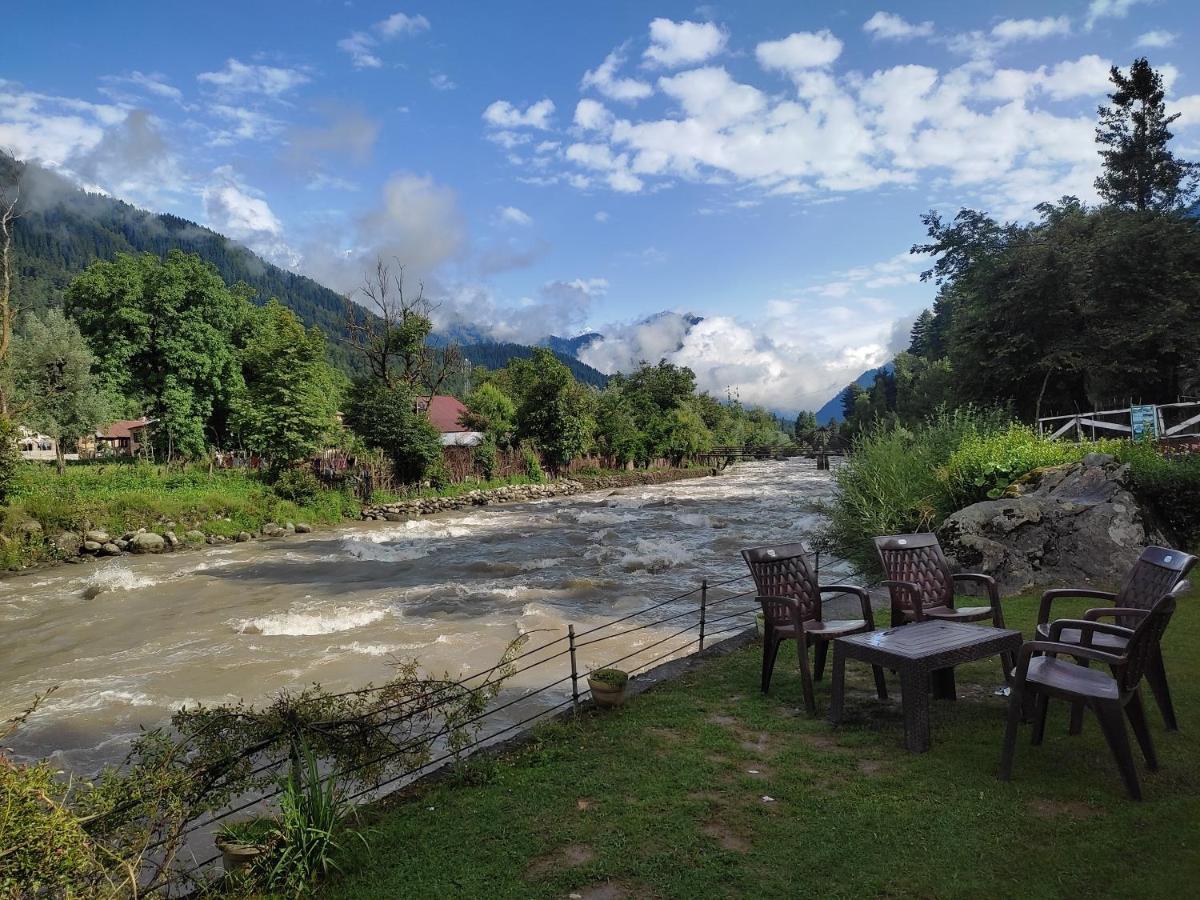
(574,668)
(703,608)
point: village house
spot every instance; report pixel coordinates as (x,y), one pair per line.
(125,437)
(445,413)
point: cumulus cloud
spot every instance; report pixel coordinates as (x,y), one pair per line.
(799,51)
(889,26)
(239,79)
(363,46)
(560,307)
(683,43)
(243,124)
(514,216)
(502,114)
(1109,9)
(592,115)
(604,80)
(121,87)
(1011,30)
(1156,39)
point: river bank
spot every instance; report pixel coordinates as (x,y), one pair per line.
(100,512)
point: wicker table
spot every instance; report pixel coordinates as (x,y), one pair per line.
(925,655)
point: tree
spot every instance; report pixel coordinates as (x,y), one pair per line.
(491,411)
(617,434)
(1140,172)
(386,417)
(390,329)
(162,331)
(52,381)
(553,410)
(684,434)
(290,398)
(805,425)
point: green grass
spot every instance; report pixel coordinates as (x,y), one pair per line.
(657,800)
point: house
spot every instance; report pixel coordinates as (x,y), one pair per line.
(445,413)
(126,437)
(34,445)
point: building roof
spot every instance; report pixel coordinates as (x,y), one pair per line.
(122,429)
(444,413)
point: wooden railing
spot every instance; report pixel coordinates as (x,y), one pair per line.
(1172,422)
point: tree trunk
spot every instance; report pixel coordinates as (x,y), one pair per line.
(1037,410)
(59,459)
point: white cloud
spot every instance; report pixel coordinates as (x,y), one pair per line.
(346,133)
(799,51)
(244,125)
(889,26)
(601,216)
(238,78)
(514,216)
(683,43)
(1155,39)
(592,115)
(363,46)
(604,79)
(1011,30)
(242,213)
(1109,9)
(153,84)
(440,81)
(1086,76)
(503,114)
(1189,110)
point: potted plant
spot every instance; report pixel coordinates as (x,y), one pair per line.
(608,686)
(241,843)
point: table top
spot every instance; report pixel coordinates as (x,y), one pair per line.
(931,637)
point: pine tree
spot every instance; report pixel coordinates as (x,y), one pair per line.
(1139,171)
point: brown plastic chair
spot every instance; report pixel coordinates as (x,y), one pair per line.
(1046,676)
(1157,571)
(791,605)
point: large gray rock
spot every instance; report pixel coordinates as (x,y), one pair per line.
(1065,525)
(68,543)
(147,542)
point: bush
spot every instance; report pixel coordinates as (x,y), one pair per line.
(985,464)
(1169,486)
(298,485)
(532,465)
(10,456)
(614,677)
(485,459)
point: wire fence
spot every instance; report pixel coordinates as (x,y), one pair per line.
(715,610)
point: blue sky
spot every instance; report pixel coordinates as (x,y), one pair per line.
(556,167)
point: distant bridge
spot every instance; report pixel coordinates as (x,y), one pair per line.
(720,457)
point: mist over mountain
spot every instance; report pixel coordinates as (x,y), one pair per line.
(63,229)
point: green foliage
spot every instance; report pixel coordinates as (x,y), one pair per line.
(492,412)
(986,463)
(163,334)
(615,677)
(485,459)
(1170,485)
(298,485)
(50,366)
(10,456)
(531,465)
(385,416)
(553,410)
(290,397)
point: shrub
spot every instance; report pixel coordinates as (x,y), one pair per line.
(1169,486)
(985,464)
(10,456)
(298,485)
(532,465)
(614,677)
(485,459)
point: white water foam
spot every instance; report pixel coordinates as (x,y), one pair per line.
(309,621)
(654,555)
(117,577)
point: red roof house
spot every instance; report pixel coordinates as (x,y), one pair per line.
(445,413)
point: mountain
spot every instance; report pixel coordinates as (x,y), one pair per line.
(832,411)
(63,229)
(570,346)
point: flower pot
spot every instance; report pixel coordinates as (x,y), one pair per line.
(238,857)
(605,694)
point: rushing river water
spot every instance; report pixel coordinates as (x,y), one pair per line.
(128,640)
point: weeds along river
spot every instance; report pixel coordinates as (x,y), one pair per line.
(129,640)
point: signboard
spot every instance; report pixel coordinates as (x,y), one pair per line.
(1143,423)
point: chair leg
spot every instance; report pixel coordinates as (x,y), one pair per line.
(880,684)
(1156,675)
(1041,707)
(819,661)
(806,682)
(1135,710)
(770,651)
(1016,702)
(1112,721)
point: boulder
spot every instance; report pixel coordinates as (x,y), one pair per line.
(303,528)
(272,529)
(110,549)
(1069,525)
(68,542)
(171,538)
(147,542)
(100,537)
(243,536)
(121,544)
(92,546)
(30,528)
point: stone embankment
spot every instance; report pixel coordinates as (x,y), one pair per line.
(75,546)
(519,493)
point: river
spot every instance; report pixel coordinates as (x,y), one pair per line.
(128,640)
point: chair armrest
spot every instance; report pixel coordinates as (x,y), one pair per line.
(986,580)
(1086,628)
(1053,648)
(1058,593)
(863,598)
(1093,615)
(913,590)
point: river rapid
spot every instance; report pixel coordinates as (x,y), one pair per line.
(127,641)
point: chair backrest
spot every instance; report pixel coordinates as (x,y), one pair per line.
(783,571)
(1143,644)
(916,558)
(1156,572)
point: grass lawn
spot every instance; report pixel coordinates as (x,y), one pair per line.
(667,798)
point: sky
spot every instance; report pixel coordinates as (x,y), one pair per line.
(555,168)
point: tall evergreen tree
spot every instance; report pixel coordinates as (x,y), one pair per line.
(1133,133)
